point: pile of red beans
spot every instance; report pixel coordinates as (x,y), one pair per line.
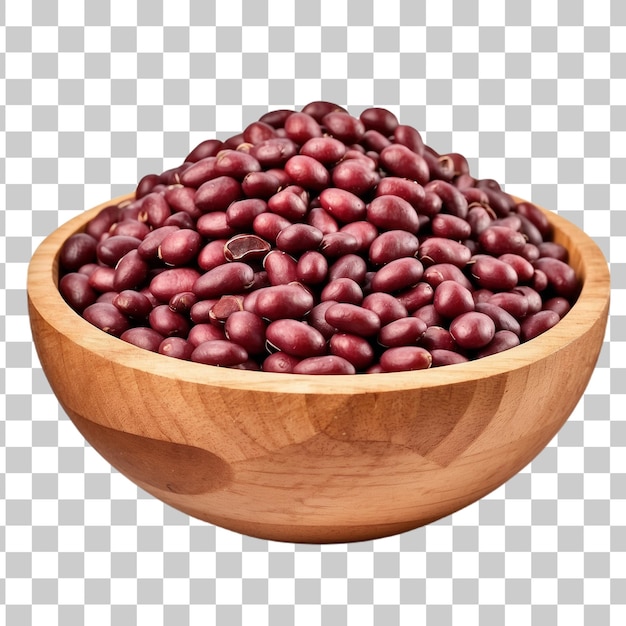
(318,242)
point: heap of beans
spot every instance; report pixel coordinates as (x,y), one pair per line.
(317,242)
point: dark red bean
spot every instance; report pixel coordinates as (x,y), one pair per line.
(450,226)
(155,210)
(416,297)
(352,175)
(246,329)
(353,348)
(434,275)
(100,224)
(403,162)
(130,271)
(212,255)
(224,279)
(112,249)
(472,330)
(392,245)
(203,332)
(514,303)
(392,213)
(530,252)
(268,225)
(375,142)
(183,302)
(241,213)
(200,172)
(176,347)
(307,172)
(553,250)
(181,219)
(219,352)
(502,318)
(431,205)
(280,363)
(405,331)
(348,266)
(276,118)
(182,199)
(224,308)
(102,279)
(172,281)
(274,153)
(260,185)
(530,231)
(77,291)
(386,306)
(434,250)
(148,248)
(258,131)
(446,357)
(437,337)
(167,322)
(235,163)
(534,299)
(78,250)
(561,277)
(491,273)
(145,185)
(523,268)
(206,148)
(338,244)
(558,304)
(344,127)
(322,220)
(351,318)
(319,108)
(180,247)
(499,240)
(502,340)
(133,304)
(317,318)
(106,317)
(342,290)
(214,225)
(326,150)
(363,231)
(409,137)
(312,268)
(298,238)
(398,275)
(146,338)
(217,194)
(295,338)
(342,204)
(288,204)
(379,119)
(537,323)
(281,267)
(329,364)
(536,216)
(244,247)
(284,301)
(301,126)
(453,201)
(405,358)
(452,299)
(409,190)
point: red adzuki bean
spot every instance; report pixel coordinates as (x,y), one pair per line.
(318,242)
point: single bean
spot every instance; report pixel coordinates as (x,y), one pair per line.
(295,338)
(501,318)
(284,301)
(502,340)
(338,244)
(403,162)
(212,254)
(287,204)
(536,216)
(363,231)
(130,272)
(260,185)
(203,332)
(245,247)
(329,364)
(322,220)
(106,317)
(434,275)
(351,318)
(472,330)
(387,307)
(172,281)
(561,277)
(344,127)
(530,231)
(343,205)
(181,219)
(391,245)
(342,290)
(409,190)
(405,358)
(450,226)
(246,329)
(219,352)
(149,247)
(110,250)
(274,153)
(491,273)
(436,337)
(241,213)
(534,299)
(155,209)
(224,308)
(280,362)
(530,252)
(100,224)
(268,225)
(352,175)
(182,200)
(498,240)
(281,267)
(102,279)
(514,303)
(133,304)
(145,185)
(374,141)
(431,205)
(214,225)
(398,275)
(416,297)
(146,338)
(167,322)
(434,250)
(206,148)
(380,120)
(312,268)
(233,277)
(180,247)
(348,266)
(258,131)
(301,126)
(392,213)
(183,302)
(88,268)
(537,323)
(454,202)
(447,357)
(233,142)
(326,150)
(405,331)
(307,172)
(235,163)
(77,291)
(78,250)
(200,172)
(558,304)
(217,194)
(298,238)
(353,348)
(523,268)
(452,299)
(176,347)
(500,202)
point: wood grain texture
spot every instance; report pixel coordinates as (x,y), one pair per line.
(317,458)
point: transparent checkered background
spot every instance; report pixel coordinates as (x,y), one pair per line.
(97,94)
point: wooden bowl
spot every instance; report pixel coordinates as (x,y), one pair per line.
(317,459)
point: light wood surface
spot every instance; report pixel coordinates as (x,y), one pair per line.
(317,458)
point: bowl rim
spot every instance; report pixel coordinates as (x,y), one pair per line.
(590,307)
